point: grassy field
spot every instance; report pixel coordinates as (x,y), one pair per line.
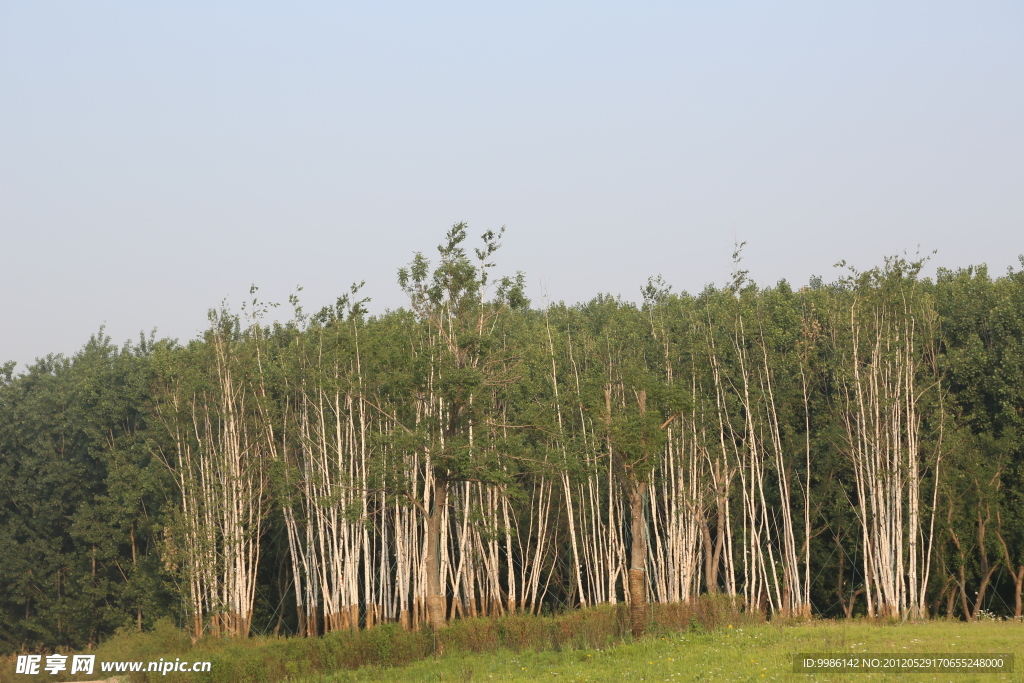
(705,641)
(749,653)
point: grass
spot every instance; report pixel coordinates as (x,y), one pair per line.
(268,659)
(702,642)
(750,653)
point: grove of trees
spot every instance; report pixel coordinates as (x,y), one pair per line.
(839,448)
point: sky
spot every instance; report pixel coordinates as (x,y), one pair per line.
(159,158)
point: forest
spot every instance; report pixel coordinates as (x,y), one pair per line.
(835,449)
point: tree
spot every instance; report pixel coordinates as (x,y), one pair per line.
(216,453)
(459,369)
(888,346)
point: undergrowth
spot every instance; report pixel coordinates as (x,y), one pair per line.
(268,659)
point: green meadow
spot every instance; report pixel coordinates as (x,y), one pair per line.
(705,641)
(750,653)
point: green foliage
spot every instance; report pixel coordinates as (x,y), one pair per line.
(82,499)
(473,385)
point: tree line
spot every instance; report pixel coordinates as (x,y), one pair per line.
(839,449)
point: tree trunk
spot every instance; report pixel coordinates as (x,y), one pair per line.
(1018,575)
(987,568)
(436,603)
(710,566)
(638,561)
(1018,584)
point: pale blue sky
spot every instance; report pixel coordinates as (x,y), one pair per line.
(158,157)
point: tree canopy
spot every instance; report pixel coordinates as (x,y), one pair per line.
(838,448)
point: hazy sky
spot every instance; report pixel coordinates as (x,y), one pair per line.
(159,157)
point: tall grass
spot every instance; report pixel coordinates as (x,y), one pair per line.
(267,659)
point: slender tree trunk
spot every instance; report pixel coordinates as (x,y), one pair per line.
(1018,574)
(987,568)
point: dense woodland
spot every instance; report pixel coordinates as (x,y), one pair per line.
(836,449)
